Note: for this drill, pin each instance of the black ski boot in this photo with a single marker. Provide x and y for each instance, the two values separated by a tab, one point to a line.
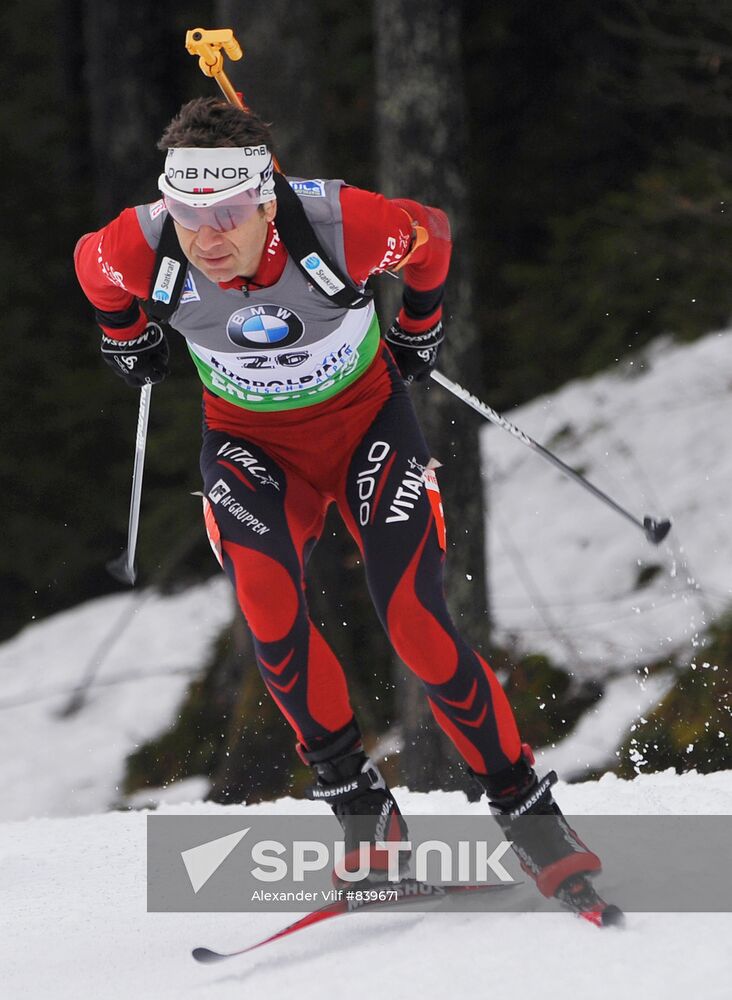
354	788
549	850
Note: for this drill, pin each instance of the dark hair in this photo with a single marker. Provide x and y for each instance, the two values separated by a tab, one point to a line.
207	122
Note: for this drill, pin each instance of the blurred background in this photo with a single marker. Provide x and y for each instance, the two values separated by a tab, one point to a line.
582	151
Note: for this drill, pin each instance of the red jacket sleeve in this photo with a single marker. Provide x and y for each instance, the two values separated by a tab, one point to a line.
377	234
114	267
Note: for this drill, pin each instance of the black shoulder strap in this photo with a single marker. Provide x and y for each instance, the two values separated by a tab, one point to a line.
169	275
308	253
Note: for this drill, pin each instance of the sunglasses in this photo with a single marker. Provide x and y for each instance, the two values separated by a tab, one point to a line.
223	215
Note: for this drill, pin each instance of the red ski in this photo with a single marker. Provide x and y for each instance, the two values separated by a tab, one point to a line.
404	893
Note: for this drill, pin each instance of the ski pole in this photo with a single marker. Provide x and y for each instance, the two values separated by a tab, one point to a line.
123	567
654	530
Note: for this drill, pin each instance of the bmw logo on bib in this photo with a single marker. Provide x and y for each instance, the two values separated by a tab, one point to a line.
264	326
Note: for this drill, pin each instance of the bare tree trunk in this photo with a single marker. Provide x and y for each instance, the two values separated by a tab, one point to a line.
279	75
422	154
133	62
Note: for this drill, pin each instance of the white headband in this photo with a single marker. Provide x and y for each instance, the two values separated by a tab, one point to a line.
202	177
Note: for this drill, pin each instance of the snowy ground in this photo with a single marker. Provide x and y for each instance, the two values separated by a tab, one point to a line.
653	433
142	650
75	924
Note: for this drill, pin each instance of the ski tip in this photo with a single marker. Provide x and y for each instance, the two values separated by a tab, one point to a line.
613	916
206	956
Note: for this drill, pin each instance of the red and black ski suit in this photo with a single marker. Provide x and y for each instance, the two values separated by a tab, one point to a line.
362	449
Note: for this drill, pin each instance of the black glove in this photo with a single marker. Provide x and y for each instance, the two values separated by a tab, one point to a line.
142	361
415	353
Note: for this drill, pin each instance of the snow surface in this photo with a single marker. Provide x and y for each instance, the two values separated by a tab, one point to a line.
653	433
143	650
75	923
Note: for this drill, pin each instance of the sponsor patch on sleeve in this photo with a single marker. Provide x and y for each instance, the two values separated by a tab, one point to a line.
309	189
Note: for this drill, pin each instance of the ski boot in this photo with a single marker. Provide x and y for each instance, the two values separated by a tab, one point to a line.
354	788
549	850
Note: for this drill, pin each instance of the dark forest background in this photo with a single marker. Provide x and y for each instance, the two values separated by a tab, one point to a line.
582	150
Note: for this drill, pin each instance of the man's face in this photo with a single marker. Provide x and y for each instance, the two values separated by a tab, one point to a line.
222	256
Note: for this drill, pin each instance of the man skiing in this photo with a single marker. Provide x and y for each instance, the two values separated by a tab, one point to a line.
305	404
